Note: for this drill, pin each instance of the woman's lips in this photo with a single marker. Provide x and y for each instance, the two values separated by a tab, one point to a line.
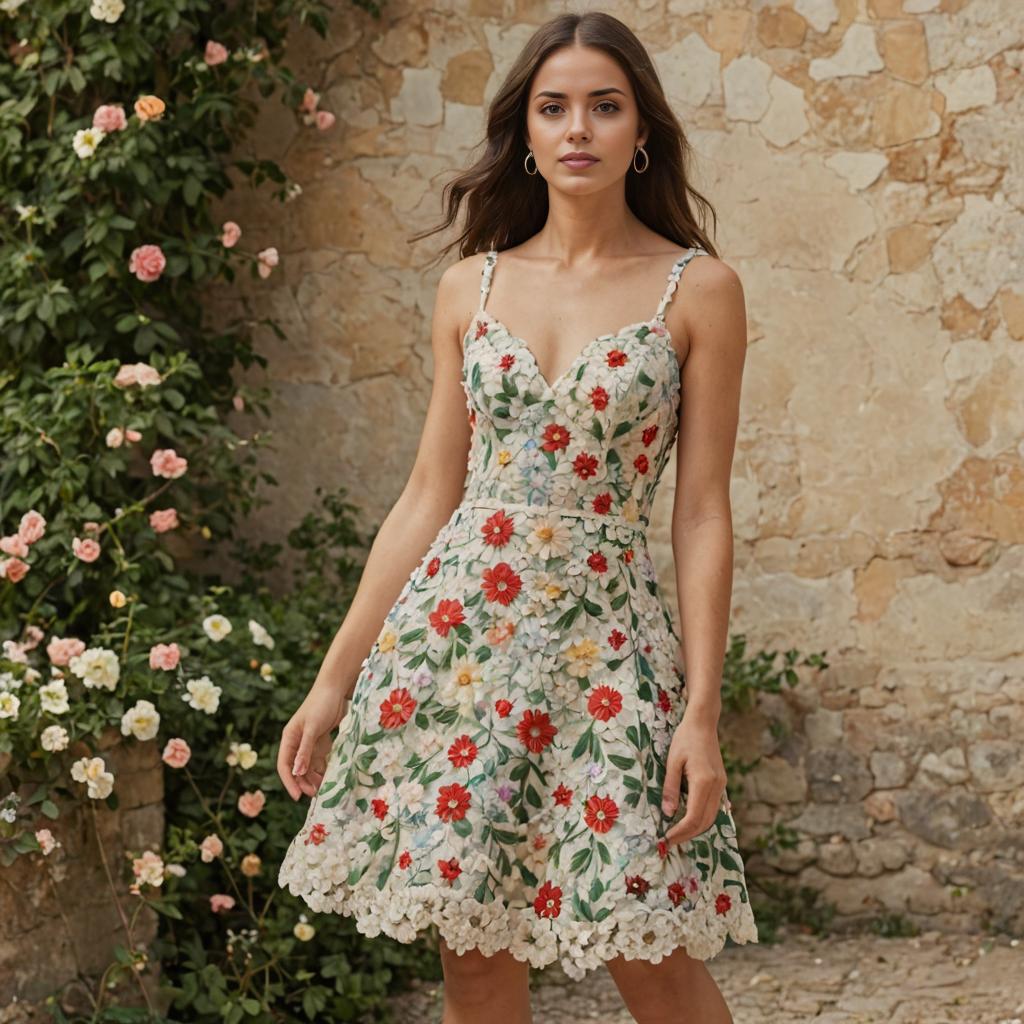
578	162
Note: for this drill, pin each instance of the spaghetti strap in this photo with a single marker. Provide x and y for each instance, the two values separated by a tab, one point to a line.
485	278
673	278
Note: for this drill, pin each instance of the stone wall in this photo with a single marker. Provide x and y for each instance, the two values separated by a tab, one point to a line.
58	922
865	158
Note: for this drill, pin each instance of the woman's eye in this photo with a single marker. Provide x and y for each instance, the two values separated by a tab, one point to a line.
604	103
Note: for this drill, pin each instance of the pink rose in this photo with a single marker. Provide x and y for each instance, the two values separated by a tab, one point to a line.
216	53
133	435
34	634
147	262
32	527
230	234
250	804
164	656
176	753
60	650
14	544
268	259
115	437
324	120
210	848
137	373
87	550
167	463
110	118
14	569
221	901
14	651
90	527
309	101
238	402
163	519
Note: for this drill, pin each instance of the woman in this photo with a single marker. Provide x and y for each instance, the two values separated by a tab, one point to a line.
512	763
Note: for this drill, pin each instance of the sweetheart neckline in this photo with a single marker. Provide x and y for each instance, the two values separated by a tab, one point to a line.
665	335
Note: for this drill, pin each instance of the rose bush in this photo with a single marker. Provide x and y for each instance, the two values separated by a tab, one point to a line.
124	472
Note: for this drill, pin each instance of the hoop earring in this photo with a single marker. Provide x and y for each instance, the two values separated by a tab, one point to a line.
647	160
529	153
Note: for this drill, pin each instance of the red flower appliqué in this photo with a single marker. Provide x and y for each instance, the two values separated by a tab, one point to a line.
602	503
536	730
562	795
599	398
604	702
380	808
722	902
616	357
555	437
498	529
597	561
616	638
450	869
600	813
396	709
549	901
637	885
462	752
584	465
447	614
452	802
317	834
501	583
433	565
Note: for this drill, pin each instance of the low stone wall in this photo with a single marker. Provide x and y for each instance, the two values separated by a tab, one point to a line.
58	921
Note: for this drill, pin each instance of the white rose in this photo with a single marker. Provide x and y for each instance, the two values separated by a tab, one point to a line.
216	627
96	667
142	720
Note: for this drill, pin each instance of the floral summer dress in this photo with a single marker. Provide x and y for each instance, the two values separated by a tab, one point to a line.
499	772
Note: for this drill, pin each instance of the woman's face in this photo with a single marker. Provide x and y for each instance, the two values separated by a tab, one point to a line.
581	102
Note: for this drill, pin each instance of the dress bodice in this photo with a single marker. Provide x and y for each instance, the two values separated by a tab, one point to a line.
597	438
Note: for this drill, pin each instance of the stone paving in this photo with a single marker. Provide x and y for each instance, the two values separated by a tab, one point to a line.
934	978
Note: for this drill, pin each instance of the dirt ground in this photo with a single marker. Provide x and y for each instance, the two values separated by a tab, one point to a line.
934	978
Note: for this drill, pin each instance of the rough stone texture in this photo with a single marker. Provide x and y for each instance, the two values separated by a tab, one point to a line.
867	164
58	920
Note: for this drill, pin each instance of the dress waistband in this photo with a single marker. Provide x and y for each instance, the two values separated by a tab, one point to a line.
638	525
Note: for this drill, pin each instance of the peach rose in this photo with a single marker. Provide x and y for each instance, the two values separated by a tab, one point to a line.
164	656
176	753
309	101
215	53
137	373
238	402
324	120
147	262
87	550
149	108
251	803
115	437
33	636
110	118
268	259
32	527
60	650
221	901
210	848
251	865
167	463
230	234
14	544
134	435
164	519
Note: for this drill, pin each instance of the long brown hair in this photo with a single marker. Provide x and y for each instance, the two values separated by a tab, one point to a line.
505	205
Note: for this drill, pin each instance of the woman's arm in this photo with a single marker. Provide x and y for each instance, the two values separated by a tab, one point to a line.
714	314
427	501
434	488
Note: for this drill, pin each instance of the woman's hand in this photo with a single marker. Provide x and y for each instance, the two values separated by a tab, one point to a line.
695	750
306	741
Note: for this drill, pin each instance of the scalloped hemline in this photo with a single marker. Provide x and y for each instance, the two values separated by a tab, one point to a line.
632	930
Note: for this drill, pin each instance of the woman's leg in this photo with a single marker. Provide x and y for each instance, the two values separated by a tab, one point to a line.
679	990
482	989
